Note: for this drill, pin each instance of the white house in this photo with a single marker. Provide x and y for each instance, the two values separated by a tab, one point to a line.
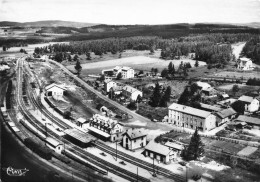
159	152
189	117
131	92
54	144
106	128
134	139
203	85
126	72
108	84
244	64
251	103
54	90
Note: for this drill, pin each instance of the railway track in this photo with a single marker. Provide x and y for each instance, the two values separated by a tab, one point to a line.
138	162
82	153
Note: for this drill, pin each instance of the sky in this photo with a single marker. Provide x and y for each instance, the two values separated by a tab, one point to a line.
132	11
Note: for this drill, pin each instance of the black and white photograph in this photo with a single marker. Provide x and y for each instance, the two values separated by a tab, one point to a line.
129	90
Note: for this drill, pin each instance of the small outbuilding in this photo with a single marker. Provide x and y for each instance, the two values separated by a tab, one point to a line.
254	122
159	152
54	90
54	144
81	122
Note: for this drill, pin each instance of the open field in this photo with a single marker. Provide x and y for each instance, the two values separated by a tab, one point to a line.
238	74
237	48
30	49
137	62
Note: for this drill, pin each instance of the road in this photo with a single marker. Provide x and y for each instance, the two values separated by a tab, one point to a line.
135	115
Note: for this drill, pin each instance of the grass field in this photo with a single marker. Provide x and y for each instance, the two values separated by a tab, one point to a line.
136	62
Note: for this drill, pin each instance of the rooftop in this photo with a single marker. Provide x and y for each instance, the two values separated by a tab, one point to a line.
174	145
135	133
189	110
203	85
210	107
130	89
52	141
79	135
248	119
81	120
158	148
54	85
226	113
245	98
245	59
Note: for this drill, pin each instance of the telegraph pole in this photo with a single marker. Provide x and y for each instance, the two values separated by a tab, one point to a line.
137	175
116	151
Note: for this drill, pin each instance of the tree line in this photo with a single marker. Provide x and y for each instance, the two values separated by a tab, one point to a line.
252	49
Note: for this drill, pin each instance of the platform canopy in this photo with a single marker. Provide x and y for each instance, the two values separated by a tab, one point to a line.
79	135
102	133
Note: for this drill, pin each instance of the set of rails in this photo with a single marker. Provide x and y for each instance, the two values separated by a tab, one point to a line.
71	149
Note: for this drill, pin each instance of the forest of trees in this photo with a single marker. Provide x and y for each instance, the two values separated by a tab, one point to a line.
252	49
214	49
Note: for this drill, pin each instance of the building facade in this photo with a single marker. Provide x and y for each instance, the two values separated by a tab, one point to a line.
188	117
105	127
251	103
108	84
126	72
56	91
160	153
131	92
134	139
244	64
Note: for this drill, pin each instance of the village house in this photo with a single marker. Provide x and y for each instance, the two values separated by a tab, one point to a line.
225	115
108	84
106	128
251	103
251	121
159	152
54	144
54	90
244	64
126	72
131	92
134	139
189	117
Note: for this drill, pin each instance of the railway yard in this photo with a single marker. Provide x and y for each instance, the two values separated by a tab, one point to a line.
34	120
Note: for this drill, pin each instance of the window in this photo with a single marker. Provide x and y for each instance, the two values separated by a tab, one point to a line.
135	140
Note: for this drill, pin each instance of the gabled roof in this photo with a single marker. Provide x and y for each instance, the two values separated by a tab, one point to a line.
158	148
135	133
130	89
174	145
189	110
54	85
52	141
81	120
248	119
245	98
245	59
226	113
203	85
210	107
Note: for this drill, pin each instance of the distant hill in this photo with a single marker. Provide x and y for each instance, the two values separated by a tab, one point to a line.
252	24
47	23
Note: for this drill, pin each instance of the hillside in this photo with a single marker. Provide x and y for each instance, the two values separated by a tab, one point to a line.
47	23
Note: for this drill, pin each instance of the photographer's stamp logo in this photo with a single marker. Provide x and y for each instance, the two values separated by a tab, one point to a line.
15	172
